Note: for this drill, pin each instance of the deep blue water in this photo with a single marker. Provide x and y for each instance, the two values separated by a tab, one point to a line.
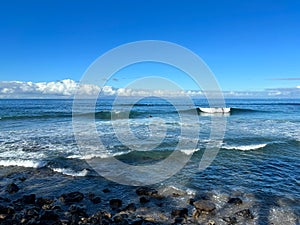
259	155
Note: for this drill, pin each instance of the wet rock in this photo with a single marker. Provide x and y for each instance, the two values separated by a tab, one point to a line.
179	220
106	190
130	208
74	219
204	205
137	221
55	207
196	214
211	222
22	179
3	199
149	219
230	220
6	211
49	215
159	204
191	201
31	213
146	191
100	218
179	212
246	213
12	188
115	203
144	200
44	201
71	197
118	218
28	199
235	201
96	200
79	210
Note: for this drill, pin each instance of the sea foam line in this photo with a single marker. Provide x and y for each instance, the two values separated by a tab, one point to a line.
23	163
70	172
245	147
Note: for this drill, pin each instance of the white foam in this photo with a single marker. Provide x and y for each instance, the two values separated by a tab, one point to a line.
70	172
92	156
245	147
22	163
282	216
215	110
188	151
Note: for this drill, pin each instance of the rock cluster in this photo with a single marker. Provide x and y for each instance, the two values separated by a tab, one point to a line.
149	207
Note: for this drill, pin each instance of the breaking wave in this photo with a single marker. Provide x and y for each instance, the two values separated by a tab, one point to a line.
244	147
23	163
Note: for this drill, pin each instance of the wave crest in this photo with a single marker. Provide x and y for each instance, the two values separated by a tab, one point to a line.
245	147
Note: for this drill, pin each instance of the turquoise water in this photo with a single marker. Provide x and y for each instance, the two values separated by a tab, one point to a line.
259	156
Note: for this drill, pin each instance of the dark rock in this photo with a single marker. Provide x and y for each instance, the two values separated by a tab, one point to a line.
130	208
79	210
28	199
96	200
100	218
179	220
106	190
159	204
44	201
31	213
118	218
95	218
12	188
246	213
203	196
144	200
71	197
3	199
74	219
204	205
49	215
91	195
230	220
22	179
7	211
179	212
146	191
191	201
137	221
115	203
235	201
55	207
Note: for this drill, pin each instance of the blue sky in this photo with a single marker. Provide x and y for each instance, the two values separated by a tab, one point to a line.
249	45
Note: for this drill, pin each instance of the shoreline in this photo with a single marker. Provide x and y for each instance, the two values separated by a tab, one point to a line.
67	203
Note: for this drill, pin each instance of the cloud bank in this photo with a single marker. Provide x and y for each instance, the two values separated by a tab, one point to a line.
67	89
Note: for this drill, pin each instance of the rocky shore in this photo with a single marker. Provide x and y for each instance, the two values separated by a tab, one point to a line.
147	206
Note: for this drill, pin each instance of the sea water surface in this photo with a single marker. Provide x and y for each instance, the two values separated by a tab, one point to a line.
259	157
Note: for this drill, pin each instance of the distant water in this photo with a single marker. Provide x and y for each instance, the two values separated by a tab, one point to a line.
259	157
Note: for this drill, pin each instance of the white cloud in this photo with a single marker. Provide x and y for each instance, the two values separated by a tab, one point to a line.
64	88
67	89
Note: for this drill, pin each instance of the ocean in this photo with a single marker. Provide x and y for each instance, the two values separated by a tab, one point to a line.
258	159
